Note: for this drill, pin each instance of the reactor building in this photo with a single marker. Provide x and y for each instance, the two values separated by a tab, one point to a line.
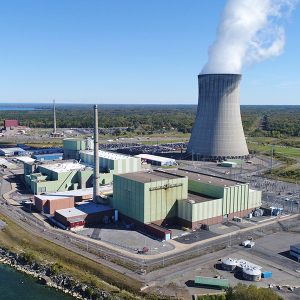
218	133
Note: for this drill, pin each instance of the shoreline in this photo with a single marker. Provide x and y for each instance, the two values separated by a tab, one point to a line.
35	275
46	275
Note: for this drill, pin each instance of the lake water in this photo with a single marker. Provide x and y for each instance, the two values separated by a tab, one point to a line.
15	285
18	108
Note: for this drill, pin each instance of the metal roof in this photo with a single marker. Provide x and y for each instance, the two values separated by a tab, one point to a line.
85	208
83	192
149	176
223	283
26	159
297	246
155	158
13	149
198	198
214	180
64	166
107	154
70	212
48	154
52	197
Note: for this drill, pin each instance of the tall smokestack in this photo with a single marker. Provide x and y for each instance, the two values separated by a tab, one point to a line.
96	157
54	118
218	132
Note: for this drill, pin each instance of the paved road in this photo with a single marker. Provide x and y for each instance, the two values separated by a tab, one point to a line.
104	255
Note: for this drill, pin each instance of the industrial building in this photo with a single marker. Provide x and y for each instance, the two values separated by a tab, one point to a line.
218	133
149	197
181	197
48	156
45	177
48	204
9	124
157	160
295	251
214	200
72	147
111	162
12	151
85	194
86	213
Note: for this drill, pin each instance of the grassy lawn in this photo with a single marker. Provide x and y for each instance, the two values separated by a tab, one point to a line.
16	239
283	150
290	170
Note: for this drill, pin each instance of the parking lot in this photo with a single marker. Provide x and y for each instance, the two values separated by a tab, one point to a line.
129	240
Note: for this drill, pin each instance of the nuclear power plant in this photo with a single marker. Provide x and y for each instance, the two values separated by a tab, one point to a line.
218	133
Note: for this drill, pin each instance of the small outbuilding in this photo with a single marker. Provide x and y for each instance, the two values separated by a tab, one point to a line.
12	151
48	204
295	251
85	213
9	124
228	164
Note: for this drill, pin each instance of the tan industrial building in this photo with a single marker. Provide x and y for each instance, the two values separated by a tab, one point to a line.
182	197
213	199
111	163
149	197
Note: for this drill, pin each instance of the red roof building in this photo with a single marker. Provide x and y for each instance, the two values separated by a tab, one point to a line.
11	123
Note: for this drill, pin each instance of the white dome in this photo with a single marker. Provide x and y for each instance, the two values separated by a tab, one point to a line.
252	271
230	261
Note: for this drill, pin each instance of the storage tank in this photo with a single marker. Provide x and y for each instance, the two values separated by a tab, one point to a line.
229	264
251	274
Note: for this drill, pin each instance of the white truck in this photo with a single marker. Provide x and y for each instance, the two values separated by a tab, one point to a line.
245	243
250	245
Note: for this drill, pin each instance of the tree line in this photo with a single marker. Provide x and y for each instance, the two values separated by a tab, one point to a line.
272	121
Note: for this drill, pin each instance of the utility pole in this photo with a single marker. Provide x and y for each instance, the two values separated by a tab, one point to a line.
96	157
272	153
54	118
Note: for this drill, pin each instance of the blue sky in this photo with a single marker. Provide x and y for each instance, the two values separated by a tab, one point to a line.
126	51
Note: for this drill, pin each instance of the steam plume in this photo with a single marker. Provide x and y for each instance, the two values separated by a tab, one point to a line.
249	31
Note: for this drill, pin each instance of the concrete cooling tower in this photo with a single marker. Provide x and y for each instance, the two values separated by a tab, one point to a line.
218	132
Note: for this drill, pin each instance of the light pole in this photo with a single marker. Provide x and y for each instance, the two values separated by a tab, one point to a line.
272	153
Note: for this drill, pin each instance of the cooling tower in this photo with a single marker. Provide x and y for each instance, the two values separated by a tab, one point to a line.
218	132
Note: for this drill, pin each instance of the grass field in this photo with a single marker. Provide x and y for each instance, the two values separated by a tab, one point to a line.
16	239
266	149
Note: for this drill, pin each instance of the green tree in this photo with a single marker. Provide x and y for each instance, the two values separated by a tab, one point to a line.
251	292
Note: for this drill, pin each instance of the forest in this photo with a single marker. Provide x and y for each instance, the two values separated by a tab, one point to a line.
264	121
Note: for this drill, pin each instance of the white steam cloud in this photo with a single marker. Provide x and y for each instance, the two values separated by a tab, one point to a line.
249	31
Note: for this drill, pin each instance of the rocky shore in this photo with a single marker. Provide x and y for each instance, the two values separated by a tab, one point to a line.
51	276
